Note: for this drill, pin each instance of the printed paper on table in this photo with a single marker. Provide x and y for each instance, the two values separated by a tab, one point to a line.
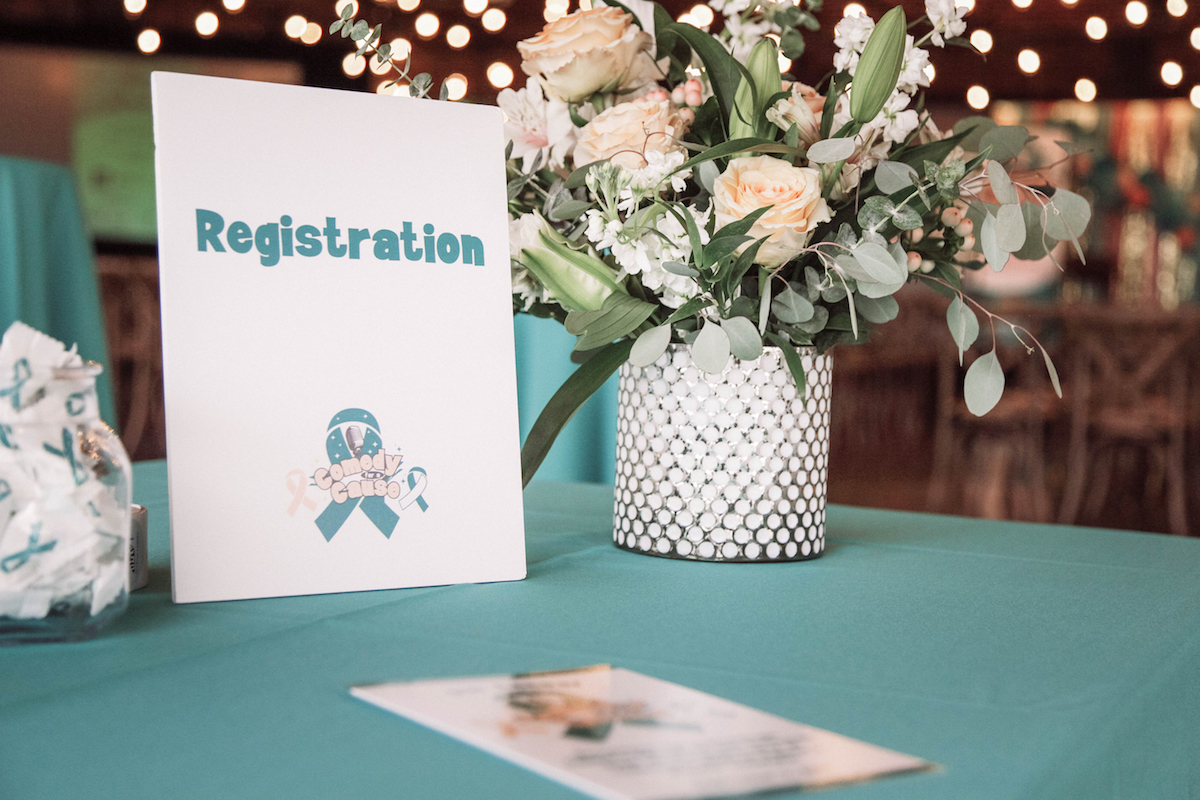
337	341
613	733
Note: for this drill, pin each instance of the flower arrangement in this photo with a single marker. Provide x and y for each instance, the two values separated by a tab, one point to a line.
668	184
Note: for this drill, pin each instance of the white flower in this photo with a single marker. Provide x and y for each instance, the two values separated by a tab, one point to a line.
802	109
946	18
535	123
729	7
850	37
523	233
912	74
744	34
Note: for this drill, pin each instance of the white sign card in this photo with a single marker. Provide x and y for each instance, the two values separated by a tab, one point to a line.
337	341
621	735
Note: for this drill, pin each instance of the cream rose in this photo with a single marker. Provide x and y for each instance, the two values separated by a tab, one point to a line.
626	132
794	194
586	52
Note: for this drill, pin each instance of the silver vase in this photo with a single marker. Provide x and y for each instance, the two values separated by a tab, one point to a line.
728	467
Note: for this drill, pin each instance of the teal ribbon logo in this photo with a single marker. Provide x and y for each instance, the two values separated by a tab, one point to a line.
344	445
21	374
78	471
21	558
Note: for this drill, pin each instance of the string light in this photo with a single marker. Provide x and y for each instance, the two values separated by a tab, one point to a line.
148	41
408	5
233	6
353	65
312	33
1096	28
500	74
207	24
340	4
1195	38
1028	61
493	20
703	15
1085	90
1137	13
456	86
1022	3
427	25
475	7
1069	3
378	67
982	40
785	64
294	26
978	98
1177	8
1194	96
969	5
854	10
135	7
1172	73
458	36
930	72
401	47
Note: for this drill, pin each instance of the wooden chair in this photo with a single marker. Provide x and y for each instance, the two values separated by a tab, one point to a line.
1130	393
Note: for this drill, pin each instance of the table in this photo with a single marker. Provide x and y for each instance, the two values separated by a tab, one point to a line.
1032	661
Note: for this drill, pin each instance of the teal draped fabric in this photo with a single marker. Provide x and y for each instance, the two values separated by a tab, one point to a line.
47	274
1032	662
586	449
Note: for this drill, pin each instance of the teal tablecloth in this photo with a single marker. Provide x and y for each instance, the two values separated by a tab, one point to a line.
1031	661
47	275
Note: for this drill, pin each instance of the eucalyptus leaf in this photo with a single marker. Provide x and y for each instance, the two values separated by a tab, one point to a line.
710	351
818	322
568	210
879	264
963	324
875	290
707	173
791	307
1010	228
1037	242
831	151
676	268
996	256
1067	215
744	341
648	347
878	309
974	128
1053	372
894	176
984	384
1002	185
907	219
1005	141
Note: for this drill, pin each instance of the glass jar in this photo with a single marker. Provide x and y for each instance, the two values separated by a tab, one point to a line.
65	490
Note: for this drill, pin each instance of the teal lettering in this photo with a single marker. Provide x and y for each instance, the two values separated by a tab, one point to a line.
447	248
472	250
266	239
286	233
387	245
407	235
331	238
239	237
429	248
308	242
208	225
357	236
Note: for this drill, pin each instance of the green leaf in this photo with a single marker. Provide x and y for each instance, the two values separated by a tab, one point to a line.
1068	215
996	256
984	384
791	307
1053	372
894	176
906	218
1010	228
578	387
676	268
1037	243
706	174
568	209
719	247
648	347
689	309
735	146
744	341
347	11
720	66
795	364
830	151
360	30
619	316
878	309
1005	141
710	351
817	323
1002	185
878	263
963	324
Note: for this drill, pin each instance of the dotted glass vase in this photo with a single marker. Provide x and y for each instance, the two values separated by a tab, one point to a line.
728	467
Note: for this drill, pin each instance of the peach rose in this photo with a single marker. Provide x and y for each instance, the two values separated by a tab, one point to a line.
794	194
585	52
627	131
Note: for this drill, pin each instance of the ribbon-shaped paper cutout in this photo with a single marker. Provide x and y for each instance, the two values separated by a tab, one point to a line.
5	432
5	490
335	515
21	558
418	479
21	374
76	403
297	484
78	471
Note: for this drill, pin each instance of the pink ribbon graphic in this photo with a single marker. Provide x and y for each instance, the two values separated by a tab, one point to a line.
297	484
